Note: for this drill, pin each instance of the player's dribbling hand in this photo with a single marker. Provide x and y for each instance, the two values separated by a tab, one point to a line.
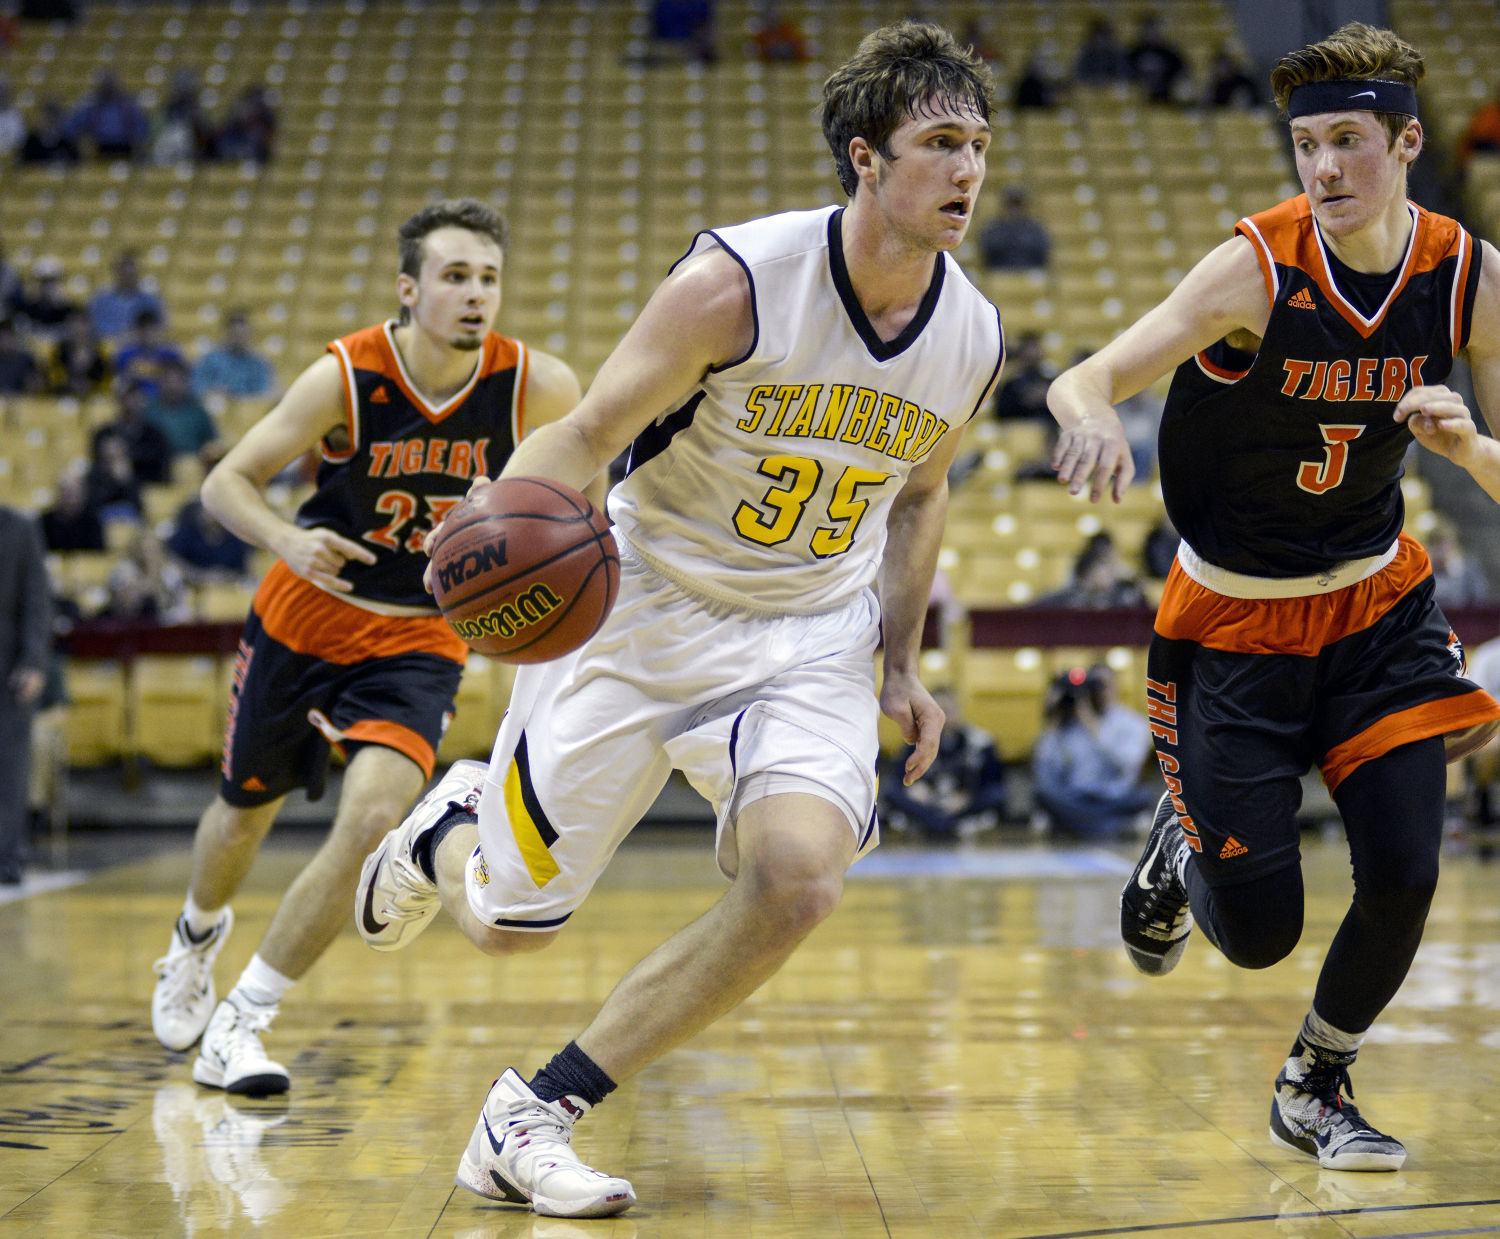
319	555
430	539
1094	454
912	707
1439	420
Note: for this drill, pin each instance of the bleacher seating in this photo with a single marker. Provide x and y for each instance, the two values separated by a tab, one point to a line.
605	168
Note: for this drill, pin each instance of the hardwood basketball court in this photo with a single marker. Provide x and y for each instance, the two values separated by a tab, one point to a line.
961	1051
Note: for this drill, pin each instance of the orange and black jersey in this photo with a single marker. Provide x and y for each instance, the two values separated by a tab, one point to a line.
1285	461
399	462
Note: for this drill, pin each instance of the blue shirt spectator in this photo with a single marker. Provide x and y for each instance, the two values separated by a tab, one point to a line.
111	119
141	361
204	546
113	310
233	367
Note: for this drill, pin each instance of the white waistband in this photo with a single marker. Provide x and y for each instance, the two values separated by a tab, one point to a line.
1240	585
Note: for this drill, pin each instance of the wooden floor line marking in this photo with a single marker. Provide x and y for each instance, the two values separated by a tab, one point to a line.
1278	1217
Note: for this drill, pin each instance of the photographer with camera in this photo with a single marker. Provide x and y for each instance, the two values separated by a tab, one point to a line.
1089	764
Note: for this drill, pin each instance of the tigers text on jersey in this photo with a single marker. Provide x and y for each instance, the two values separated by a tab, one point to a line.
400	462
769	487
1284	462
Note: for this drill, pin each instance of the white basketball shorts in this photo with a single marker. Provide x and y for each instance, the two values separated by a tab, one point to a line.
745	705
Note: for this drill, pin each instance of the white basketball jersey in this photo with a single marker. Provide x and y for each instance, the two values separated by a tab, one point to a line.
770	486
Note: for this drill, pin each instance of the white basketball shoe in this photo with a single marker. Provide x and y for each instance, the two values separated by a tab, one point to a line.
232	1057
395	900
520	1151
183	1001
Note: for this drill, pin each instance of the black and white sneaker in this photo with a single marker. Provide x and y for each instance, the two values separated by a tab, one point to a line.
1154	918
1310	1115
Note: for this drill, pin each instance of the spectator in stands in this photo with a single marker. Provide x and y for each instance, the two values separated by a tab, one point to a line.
78	366
177	412
46	306
48	140
145	586
20	374
1457	580
249	132
12	123
12	287
1483	130
146	352
683	29
1156	63
1089	766
962	792
115	307
111	120
1101	58
1015	240
148	448
70	524
203	546
1101	580
233	367
110	484
1037	85
1229	83
25	646
1160	548
1023	396
779	39
184	134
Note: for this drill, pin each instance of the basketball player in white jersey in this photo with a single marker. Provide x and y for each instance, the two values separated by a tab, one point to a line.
792	397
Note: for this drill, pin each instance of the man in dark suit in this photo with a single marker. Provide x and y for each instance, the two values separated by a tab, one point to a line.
25	635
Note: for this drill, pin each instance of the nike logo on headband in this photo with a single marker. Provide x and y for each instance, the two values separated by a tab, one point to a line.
1361	95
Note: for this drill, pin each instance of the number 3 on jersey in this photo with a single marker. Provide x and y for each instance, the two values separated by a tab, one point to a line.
401	506
795	479
1319	476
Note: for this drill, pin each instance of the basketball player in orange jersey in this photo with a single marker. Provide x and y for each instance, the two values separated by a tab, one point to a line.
1298	625
344	648
792	397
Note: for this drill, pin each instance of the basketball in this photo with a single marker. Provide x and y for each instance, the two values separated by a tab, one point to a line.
525	570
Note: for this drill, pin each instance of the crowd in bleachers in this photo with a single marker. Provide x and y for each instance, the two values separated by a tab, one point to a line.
1097	230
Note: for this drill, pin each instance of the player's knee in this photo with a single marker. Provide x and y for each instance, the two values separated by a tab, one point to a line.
1260	923
500	942
1401	903
795	894
1260	947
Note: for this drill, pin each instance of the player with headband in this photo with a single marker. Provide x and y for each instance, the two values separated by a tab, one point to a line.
1298	626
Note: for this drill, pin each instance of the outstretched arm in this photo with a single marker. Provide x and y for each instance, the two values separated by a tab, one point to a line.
1223	293
1439	419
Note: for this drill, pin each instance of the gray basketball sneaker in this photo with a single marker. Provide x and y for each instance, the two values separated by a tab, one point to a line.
183	1001
1310	1115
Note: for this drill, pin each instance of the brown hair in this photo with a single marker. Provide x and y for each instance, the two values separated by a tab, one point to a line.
467	213
1352	51
890	78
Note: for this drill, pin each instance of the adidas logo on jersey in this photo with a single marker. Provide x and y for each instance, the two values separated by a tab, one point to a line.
1232	848
380	395
1303	300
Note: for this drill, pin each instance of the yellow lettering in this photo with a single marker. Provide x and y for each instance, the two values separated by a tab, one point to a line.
859	416
909	415
754	406
878	440
786	393
801	423
838	400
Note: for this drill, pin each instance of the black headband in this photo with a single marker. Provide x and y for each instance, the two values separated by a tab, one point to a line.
1361	94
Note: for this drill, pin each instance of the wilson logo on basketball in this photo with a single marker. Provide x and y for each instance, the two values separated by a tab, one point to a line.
482	559
504	622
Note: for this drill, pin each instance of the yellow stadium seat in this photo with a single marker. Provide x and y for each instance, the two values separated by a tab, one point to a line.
176	709
95	711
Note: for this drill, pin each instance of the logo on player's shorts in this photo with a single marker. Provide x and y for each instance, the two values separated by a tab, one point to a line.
1232	848
504	622
472	563
481	873
1456	648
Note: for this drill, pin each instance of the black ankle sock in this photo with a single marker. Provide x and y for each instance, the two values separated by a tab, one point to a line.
425	852
572	1073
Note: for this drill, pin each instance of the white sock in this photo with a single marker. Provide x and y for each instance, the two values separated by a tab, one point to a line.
1318	1031
200	920
261	984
